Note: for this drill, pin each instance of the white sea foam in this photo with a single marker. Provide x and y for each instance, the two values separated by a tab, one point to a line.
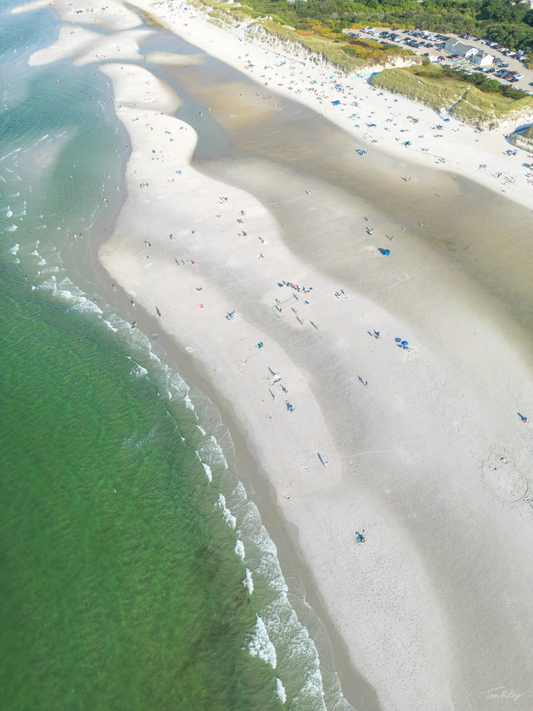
138	371
9	213
260	644
109	325
248	581
211	455
14	249
70	293
229	518
239	548
285	631
280	690
279	638
11	228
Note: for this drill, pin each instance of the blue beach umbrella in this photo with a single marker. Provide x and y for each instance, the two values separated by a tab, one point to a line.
405	343
386	252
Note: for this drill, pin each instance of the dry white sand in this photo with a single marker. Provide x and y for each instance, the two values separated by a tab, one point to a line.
430	458
231	276
287	70
411	444
114	15
86	46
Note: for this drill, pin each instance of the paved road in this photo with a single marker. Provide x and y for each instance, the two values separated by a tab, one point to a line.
438	51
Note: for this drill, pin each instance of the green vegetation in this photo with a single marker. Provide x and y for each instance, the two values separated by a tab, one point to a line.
477	79
511	25
337	47
322	45
478	107
528	134
431	91
470	98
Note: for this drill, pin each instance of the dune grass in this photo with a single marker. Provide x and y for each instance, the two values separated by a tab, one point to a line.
331	47
434	92
528	134
478	105
316	43
463	101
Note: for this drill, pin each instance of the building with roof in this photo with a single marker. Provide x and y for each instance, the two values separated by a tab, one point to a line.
475	55
455	46
481	58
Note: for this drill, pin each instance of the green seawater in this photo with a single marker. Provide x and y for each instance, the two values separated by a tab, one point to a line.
119	585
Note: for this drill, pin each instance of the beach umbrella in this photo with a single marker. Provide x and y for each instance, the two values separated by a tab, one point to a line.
405	344
386	252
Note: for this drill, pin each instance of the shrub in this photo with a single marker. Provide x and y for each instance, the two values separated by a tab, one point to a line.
511	93
490	86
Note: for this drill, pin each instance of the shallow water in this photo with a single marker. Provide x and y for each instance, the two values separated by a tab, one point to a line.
279	149
456	245
120	586
123	582
191	578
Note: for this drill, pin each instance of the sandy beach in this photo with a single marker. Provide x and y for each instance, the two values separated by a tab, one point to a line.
422	448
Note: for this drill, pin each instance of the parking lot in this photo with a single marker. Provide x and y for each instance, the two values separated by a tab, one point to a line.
431	44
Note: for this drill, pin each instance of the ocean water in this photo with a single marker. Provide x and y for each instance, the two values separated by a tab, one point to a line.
135	571
119	581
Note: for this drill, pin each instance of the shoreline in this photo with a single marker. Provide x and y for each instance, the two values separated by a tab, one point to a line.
405	628
462	157
260	490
